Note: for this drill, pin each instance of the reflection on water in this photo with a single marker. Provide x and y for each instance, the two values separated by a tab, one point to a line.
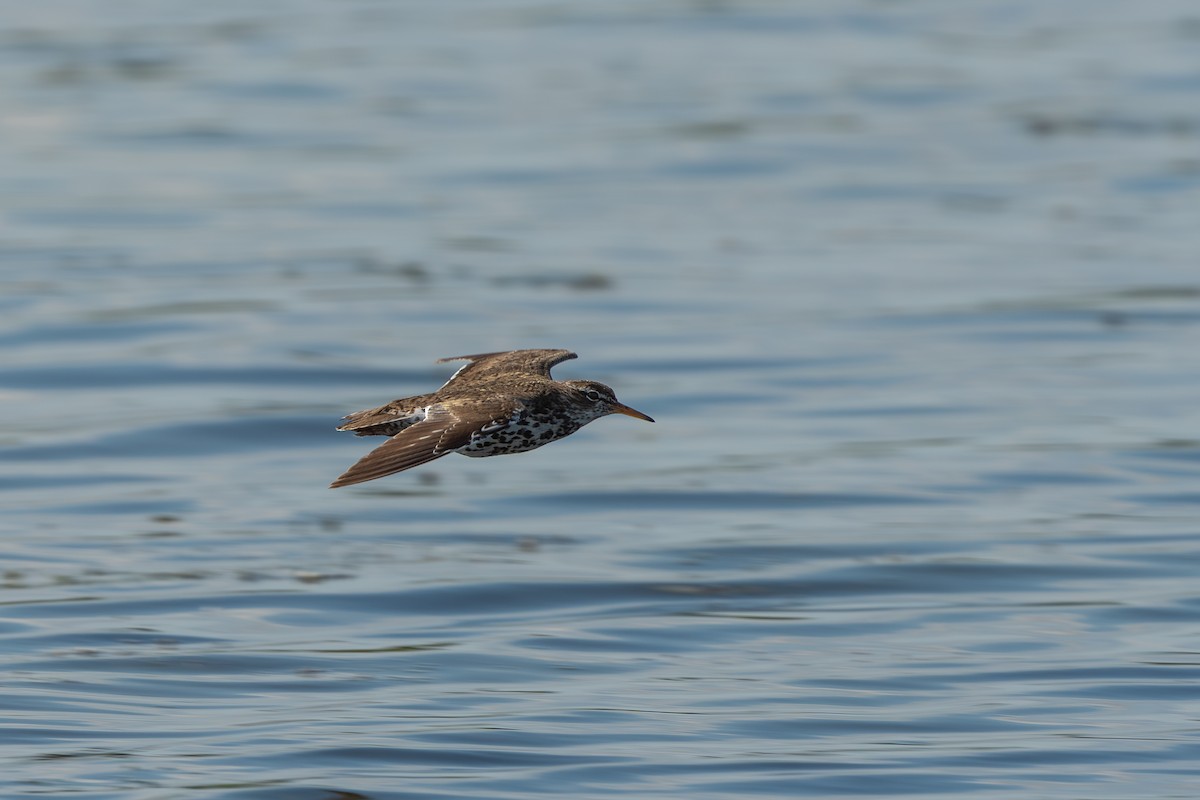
911	292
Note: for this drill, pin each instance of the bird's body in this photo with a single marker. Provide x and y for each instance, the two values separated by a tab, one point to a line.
498	403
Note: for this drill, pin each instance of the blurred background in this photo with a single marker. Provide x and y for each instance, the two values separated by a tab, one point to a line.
912	289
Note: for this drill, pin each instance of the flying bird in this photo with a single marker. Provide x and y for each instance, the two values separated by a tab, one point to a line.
498	403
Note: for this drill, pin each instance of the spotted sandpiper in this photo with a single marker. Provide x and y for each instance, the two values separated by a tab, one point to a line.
496	404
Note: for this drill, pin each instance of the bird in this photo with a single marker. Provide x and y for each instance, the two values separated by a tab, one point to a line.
497	403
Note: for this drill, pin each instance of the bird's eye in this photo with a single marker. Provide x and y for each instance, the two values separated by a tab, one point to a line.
593	395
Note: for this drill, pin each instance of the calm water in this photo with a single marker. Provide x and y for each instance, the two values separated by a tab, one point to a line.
912	289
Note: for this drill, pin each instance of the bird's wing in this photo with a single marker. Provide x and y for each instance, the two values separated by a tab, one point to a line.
509	363
441	432
386	420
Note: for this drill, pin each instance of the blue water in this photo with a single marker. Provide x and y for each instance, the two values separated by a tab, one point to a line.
911	290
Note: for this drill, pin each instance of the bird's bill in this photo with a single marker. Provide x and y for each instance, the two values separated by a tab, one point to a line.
621	408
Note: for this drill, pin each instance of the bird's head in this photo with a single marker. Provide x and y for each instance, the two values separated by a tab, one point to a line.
599	400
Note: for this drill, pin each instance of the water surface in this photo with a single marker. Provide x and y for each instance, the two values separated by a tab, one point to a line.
911	290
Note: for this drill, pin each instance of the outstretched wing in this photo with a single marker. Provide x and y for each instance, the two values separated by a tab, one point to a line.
441	432
508	363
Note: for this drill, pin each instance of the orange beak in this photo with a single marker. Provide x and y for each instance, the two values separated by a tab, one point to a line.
621	408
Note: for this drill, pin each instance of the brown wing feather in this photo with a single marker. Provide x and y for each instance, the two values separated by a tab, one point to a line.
508	363
440	433
387	420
